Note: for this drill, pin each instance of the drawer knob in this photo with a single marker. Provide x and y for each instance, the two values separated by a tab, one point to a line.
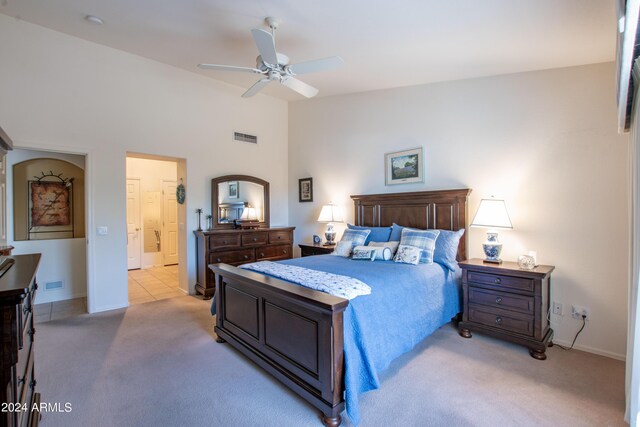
27	310
219	260
33	384
499	300
497	280
224	242
246	257
279	237
284	251
498	320
261	255
35	286
21	380
255	239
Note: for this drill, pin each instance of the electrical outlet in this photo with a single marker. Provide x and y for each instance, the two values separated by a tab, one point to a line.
577	311
557	308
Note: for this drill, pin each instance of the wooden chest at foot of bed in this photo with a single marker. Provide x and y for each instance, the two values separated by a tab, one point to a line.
236	247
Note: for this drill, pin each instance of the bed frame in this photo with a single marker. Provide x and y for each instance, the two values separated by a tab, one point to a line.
295	333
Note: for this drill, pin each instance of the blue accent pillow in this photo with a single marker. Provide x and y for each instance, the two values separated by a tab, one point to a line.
378	234
396	233
356	237
423	239
447	248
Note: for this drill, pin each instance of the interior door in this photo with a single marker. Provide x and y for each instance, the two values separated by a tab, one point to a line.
169	222
134	245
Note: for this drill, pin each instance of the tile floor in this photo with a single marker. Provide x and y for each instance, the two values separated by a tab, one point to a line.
152	284
59	309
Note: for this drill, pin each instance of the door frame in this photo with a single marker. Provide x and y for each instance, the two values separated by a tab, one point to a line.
164	234
139	220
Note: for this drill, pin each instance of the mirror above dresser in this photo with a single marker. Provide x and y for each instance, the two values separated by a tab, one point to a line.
240	230
239	199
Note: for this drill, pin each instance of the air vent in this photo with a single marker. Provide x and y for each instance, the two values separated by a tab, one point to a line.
52	286
244	137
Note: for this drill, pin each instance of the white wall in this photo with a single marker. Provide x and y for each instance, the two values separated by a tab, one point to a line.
58	91
62	259
545	141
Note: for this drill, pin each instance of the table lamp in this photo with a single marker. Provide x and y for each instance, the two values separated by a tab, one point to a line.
492	214
330	213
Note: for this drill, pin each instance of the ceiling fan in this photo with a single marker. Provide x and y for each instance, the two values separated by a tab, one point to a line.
275	66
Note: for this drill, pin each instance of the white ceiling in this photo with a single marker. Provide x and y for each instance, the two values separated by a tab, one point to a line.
384	43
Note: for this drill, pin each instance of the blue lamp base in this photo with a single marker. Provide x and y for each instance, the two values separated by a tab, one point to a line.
492	248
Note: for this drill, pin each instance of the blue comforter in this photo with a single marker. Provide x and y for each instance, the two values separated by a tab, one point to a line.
407	304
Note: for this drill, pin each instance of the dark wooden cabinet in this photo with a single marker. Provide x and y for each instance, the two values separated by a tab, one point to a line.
507	302
309	249
238	247
17	294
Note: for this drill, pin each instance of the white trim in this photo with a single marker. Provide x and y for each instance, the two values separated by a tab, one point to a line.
111	307
592	350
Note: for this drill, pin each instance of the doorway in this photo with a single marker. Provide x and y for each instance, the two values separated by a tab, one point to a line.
152	228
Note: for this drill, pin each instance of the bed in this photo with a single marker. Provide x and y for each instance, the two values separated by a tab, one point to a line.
312	341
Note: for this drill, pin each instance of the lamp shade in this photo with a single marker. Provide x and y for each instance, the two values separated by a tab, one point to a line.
330	213
249	214
492	213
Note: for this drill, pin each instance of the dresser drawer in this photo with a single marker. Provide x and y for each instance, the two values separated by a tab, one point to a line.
500	281
255	239
501	319
233	257
498	299
224	241
280	236
24	314
274	252
25	351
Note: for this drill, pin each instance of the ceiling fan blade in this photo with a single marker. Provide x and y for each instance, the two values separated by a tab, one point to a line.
315	65
266	46
301	87
256	88
228	68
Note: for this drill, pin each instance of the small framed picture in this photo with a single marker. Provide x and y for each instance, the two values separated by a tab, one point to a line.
317	239
404	167
305	190
234	190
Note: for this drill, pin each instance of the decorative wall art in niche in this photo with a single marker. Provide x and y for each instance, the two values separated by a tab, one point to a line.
404	167
48	200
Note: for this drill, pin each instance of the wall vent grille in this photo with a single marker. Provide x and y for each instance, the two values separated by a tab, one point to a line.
52	286
245	137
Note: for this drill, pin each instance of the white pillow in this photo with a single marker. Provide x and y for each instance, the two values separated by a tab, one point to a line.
364	253
393	246
408	254
343	249
382	253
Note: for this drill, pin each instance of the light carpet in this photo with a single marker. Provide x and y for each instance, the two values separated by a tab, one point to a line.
157	364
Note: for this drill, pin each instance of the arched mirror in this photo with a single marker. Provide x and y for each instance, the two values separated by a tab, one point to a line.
239	199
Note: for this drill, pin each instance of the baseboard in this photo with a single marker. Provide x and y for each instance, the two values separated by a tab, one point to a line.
110	307
588	349
183	291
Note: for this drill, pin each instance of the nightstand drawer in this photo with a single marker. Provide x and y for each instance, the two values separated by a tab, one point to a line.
501	319
501	300
500	281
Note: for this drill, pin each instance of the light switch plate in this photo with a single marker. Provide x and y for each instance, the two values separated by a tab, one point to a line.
102	230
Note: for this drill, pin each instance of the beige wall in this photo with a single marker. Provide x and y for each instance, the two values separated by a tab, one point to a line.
60	92
544	141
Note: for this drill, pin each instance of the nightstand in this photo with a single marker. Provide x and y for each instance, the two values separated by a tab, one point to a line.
309	249
507	302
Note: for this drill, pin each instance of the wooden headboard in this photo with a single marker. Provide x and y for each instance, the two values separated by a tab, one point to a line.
442	209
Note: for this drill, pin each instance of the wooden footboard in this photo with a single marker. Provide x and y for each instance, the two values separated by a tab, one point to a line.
294	333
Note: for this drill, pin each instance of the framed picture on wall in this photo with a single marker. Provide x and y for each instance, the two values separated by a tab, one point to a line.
234	190
404	167
305	190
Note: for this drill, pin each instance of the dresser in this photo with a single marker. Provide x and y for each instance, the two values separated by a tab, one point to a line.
238	247
507	302
17	292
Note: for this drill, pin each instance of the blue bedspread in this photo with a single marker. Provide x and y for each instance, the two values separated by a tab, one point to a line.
407	304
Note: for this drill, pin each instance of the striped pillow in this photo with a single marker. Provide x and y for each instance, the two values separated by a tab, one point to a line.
422	239
356	237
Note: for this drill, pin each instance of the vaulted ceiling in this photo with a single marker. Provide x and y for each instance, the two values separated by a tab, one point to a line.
384	44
